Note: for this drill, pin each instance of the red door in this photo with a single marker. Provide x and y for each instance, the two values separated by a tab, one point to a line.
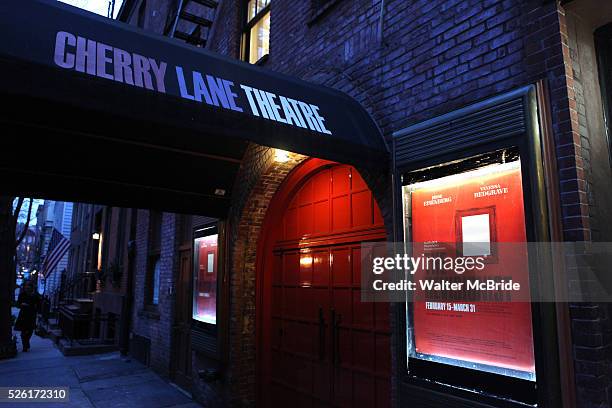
327	348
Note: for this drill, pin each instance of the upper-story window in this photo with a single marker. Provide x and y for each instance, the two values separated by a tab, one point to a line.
256	36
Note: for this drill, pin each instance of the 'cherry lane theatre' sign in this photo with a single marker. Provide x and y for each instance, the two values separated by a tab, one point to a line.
221	97
102	60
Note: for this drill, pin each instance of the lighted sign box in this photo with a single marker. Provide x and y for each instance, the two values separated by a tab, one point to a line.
205	279
469	213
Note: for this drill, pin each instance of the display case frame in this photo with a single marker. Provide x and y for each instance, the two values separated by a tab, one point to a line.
506	121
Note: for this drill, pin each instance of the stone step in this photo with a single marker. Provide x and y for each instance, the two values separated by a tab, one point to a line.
75	348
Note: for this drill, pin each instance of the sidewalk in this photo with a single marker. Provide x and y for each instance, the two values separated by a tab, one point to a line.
104	380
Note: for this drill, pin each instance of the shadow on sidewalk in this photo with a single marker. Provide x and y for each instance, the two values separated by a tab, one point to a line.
103	380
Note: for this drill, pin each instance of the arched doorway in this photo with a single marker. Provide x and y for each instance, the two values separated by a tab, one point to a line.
319	344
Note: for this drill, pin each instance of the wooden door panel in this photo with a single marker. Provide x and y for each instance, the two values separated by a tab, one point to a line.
305	270
341	180
305	220
358	183
383	354
277	272
276	335
343	353
321	268
322	382
321	222
341	213
356	264
321	299
321	185
364	389
290	304
306	310
361	206
363	348
382	316
291	223
291	267
383	392
299	338
313	362
342	303
341	267
343	387
277	301
363	313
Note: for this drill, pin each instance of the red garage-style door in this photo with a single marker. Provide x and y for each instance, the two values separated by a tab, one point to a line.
327	348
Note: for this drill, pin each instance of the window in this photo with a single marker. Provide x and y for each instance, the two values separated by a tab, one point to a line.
155	282
205	250
256	36
142	10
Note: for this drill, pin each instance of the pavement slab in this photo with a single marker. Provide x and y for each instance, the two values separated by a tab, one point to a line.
97	381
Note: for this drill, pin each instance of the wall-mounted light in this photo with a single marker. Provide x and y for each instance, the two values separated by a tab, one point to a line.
281	156
95	236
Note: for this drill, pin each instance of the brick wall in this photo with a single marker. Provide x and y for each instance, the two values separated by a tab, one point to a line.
432	57
258	180
156	323
410	62
592	324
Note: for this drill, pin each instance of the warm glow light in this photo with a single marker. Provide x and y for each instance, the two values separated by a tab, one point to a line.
281	156
99	264
306	261
96	236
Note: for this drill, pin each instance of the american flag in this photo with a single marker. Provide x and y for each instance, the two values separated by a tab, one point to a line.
58	246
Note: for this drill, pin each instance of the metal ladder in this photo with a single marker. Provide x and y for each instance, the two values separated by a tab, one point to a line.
193	25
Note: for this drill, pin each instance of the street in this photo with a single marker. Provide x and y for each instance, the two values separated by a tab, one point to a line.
103	380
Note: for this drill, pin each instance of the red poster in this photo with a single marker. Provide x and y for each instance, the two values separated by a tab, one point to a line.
485	206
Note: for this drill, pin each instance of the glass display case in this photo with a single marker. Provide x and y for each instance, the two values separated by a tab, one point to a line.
471	208
205	249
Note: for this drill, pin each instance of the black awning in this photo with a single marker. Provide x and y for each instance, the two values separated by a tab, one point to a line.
67	71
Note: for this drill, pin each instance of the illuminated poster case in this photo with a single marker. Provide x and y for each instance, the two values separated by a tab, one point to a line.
205	245
472	211
467	183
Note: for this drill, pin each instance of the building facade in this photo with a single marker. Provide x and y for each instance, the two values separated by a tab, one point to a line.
432	125
97	291
407	63
55	215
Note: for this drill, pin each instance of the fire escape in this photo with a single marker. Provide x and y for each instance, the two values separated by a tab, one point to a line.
191	21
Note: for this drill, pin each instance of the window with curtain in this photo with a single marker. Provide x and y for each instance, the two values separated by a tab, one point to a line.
256	35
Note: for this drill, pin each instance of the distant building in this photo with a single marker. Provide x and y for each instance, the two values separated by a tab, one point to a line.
441	79
54	215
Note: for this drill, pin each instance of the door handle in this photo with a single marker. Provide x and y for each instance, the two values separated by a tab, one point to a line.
335	323
321	334
337	354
